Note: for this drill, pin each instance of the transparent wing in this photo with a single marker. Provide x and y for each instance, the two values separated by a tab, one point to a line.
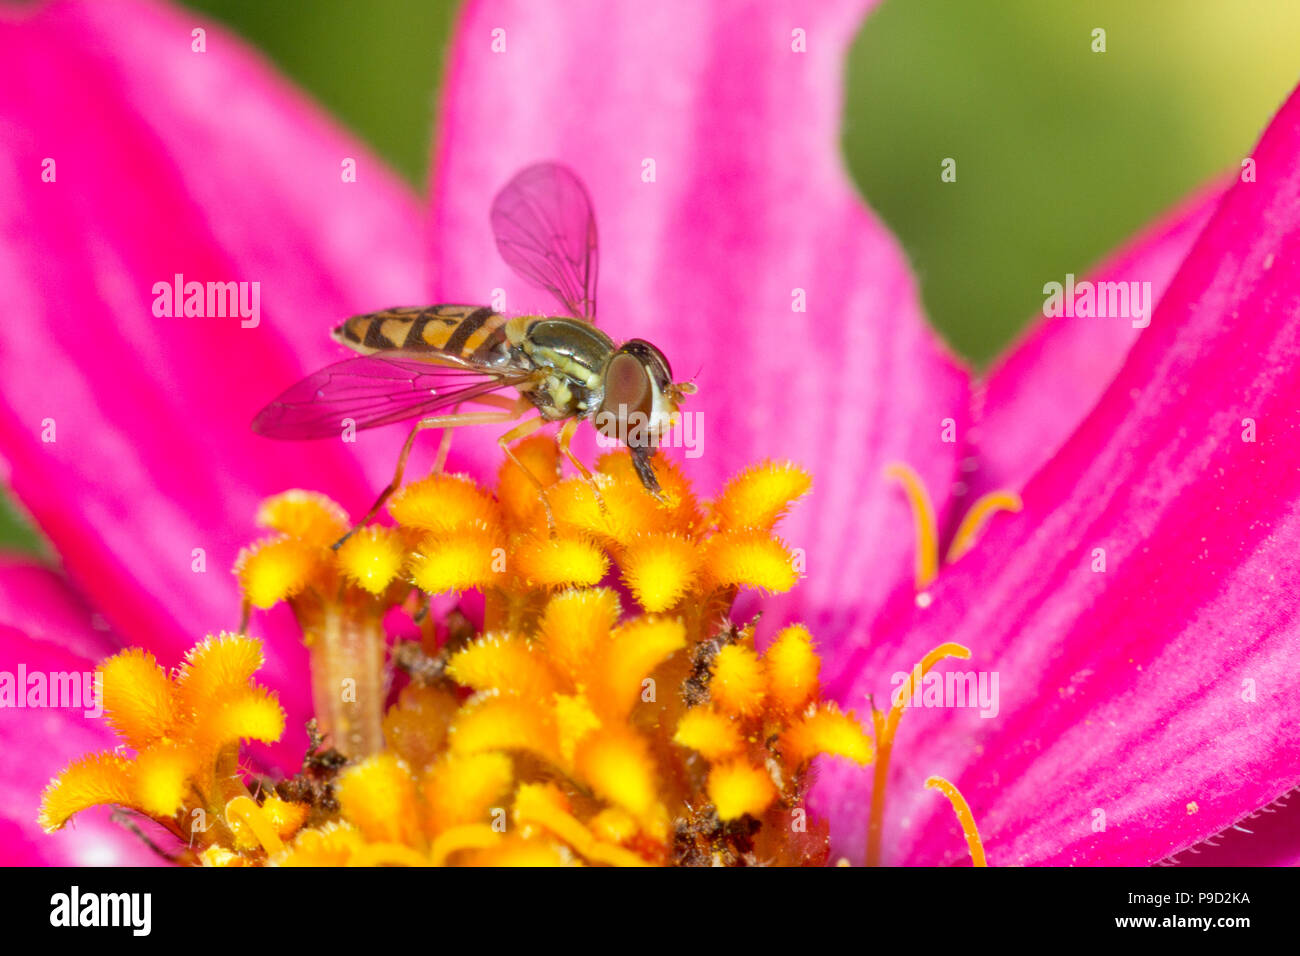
546	232
372	390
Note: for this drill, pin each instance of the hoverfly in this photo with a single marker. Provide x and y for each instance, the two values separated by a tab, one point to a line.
429	361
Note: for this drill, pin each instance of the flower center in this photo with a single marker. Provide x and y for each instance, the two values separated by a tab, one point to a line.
607	711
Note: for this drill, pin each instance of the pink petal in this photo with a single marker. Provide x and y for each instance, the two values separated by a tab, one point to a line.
38	743
1124	692
1039	392
750	202
38	600
171	161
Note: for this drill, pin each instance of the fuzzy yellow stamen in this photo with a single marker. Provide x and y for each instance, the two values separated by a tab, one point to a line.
372	558
750	559
442	503
462	789
760	495
217	666
139	698
885	731
499	660
378	797
278	568
574	624
306	515
714	734
660	570
964	817
977	517
544	806
561	562
738	788
497	722
574	720
620	768
826	731
567	729
738	680
185	730
472	836
624	517
458	561
632	653
161	778
791	665
93	780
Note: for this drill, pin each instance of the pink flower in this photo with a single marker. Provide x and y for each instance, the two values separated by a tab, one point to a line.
1143	708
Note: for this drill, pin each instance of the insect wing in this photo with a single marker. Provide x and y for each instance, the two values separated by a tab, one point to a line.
546	232
372	390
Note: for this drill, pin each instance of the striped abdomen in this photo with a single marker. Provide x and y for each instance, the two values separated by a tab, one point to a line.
467	331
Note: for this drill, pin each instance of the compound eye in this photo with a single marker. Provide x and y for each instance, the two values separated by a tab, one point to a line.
628	392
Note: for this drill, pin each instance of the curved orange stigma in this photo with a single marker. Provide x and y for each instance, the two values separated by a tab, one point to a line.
964	817
885	730
927	532
977	517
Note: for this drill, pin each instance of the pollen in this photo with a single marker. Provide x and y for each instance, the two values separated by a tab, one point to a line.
739	685
513	664
277	569
792	666
714	734
372	558
182	739
750	559
738	789
550	723
442	503
139	697
826	731
660	570
760	496
467	559
561	562
306	515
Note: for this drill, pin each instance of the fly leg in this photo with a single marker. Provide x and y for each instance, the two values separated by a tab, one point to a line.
447	422
523	430
566	436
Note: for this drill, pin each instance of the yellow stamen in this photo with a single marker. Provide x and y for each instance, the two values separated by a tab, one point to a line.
387	854
964	817
246	811
614	735
885	731
542	806
977	517
927	534
471	836
737	787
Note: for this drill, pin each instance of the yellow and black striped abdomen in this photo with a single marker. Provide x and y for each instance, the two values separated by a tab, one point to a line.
460	330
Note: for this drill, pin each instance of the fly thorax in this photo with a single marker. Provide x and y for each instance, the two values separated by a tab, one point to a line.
574	354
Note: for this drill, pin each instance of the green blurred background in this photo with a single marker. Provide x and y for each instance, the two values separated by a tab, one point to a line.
1061	152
